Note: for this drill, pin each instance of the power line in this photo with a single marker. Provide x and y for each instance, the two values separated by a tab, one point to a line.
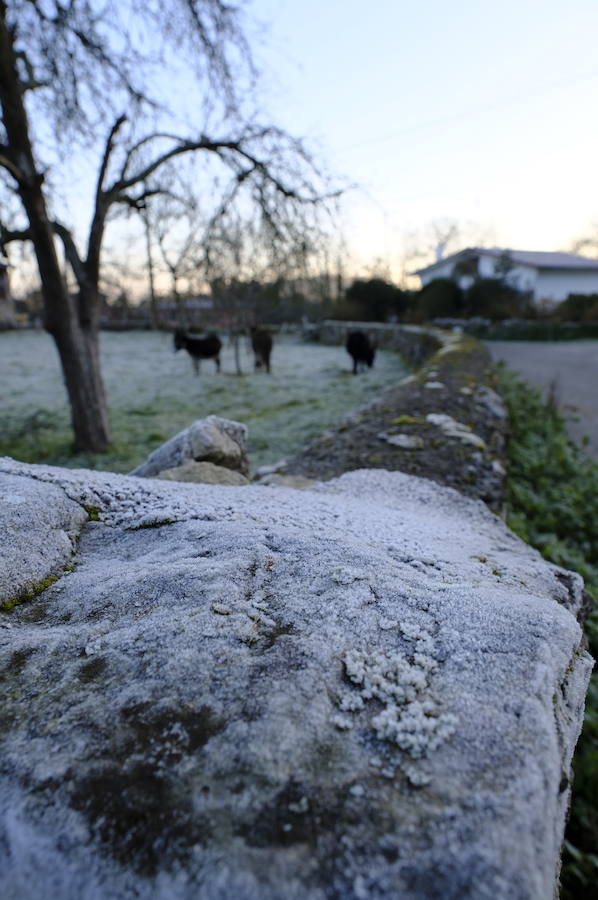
471	113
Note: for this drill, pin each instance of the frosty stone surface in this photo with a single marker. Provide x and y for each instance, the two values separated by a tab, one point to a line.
366	689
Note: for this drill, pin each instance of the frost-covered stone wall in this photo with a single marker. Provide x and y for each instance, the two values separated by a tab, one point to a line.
367	689
414	342
444	421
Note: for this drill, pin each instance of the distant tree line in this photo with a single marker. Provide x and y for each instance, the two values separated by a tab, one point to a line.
252	301
489	298
380	301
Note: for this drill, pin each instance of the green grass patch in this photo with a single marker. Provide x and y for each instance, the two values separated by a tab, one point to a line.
553	505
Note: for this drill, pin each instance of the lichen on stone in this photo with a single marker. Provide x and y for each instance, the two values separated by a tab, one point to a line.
30	594
451	428
410	718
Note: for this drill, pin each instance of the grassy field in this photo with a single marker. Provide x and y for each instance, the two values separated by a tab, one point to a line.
153	393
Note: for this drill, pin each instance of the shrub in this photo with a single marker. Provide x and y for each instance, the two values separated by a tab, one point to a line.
375	300
493	299
578	308
553	504
439	298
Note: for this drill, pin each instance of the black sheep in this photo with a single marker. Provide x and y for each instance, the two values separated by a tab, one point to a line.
199	348
360	349
261	344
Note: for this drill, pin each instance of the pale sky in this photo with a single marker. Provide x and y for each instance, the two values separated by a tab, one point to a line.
475	112
481	112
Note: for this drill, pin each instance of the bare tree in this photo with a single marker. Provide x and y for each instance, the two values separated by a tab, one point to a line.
176	228
75	64
438	239
236	260
588	244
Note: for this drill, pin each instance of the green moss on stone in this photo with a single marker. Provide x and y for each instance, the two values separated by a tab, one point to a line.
31	594
157	524
407	420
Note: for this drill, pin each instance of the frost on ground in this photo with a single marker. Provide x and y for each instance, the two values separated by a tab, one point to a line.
369	688
153	394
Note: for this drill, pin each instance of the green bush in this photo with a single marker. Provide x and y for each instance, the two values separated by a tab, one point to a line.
553	504
578	308
492	298
375	300
488	298
440	297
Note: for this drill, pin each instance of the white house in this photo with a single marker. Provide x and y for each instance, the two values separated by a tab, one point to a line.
548	277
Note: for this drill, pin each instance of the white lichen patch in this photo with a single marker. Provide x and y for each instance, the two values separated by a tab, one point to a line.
451	428
343	723
351	702
492	401
386	677
301	806
416	776
404	441
249	635
260	619
357	790
410	718
417	728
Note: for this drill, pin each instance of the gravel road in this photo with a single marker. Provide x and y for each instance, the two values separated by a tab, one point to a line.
568	369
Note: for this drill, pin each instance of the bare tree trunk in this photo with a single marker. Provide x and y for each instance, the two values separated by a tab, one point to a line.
181	309
150	273
76	340
236	342
79	355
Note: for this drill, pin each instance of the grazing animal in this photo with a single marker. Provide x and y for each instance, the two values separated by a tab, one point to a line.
361	351
261	344
199	348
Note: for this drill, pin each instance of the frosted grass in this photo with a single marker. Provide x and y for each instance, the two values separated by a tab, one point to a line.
153	393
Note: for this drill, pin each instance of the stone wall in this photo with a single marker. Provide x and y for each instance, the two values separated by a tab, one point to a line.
445	421
364	690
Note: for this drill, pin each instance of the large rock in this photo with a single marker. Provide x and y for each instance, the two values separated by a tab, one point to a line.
202	473
219	441
370	689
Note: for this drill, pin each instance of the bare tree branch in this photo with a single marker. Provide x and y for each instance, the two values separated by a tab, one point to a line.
109	147
32	83
71	252
139	203
8	237
9	164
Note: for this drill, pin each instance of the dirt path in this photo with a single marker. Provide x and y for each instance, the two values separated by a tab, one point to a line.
568	369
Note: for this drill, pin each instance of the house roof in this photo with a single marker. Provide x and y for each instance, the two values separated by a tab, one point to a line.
539	259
